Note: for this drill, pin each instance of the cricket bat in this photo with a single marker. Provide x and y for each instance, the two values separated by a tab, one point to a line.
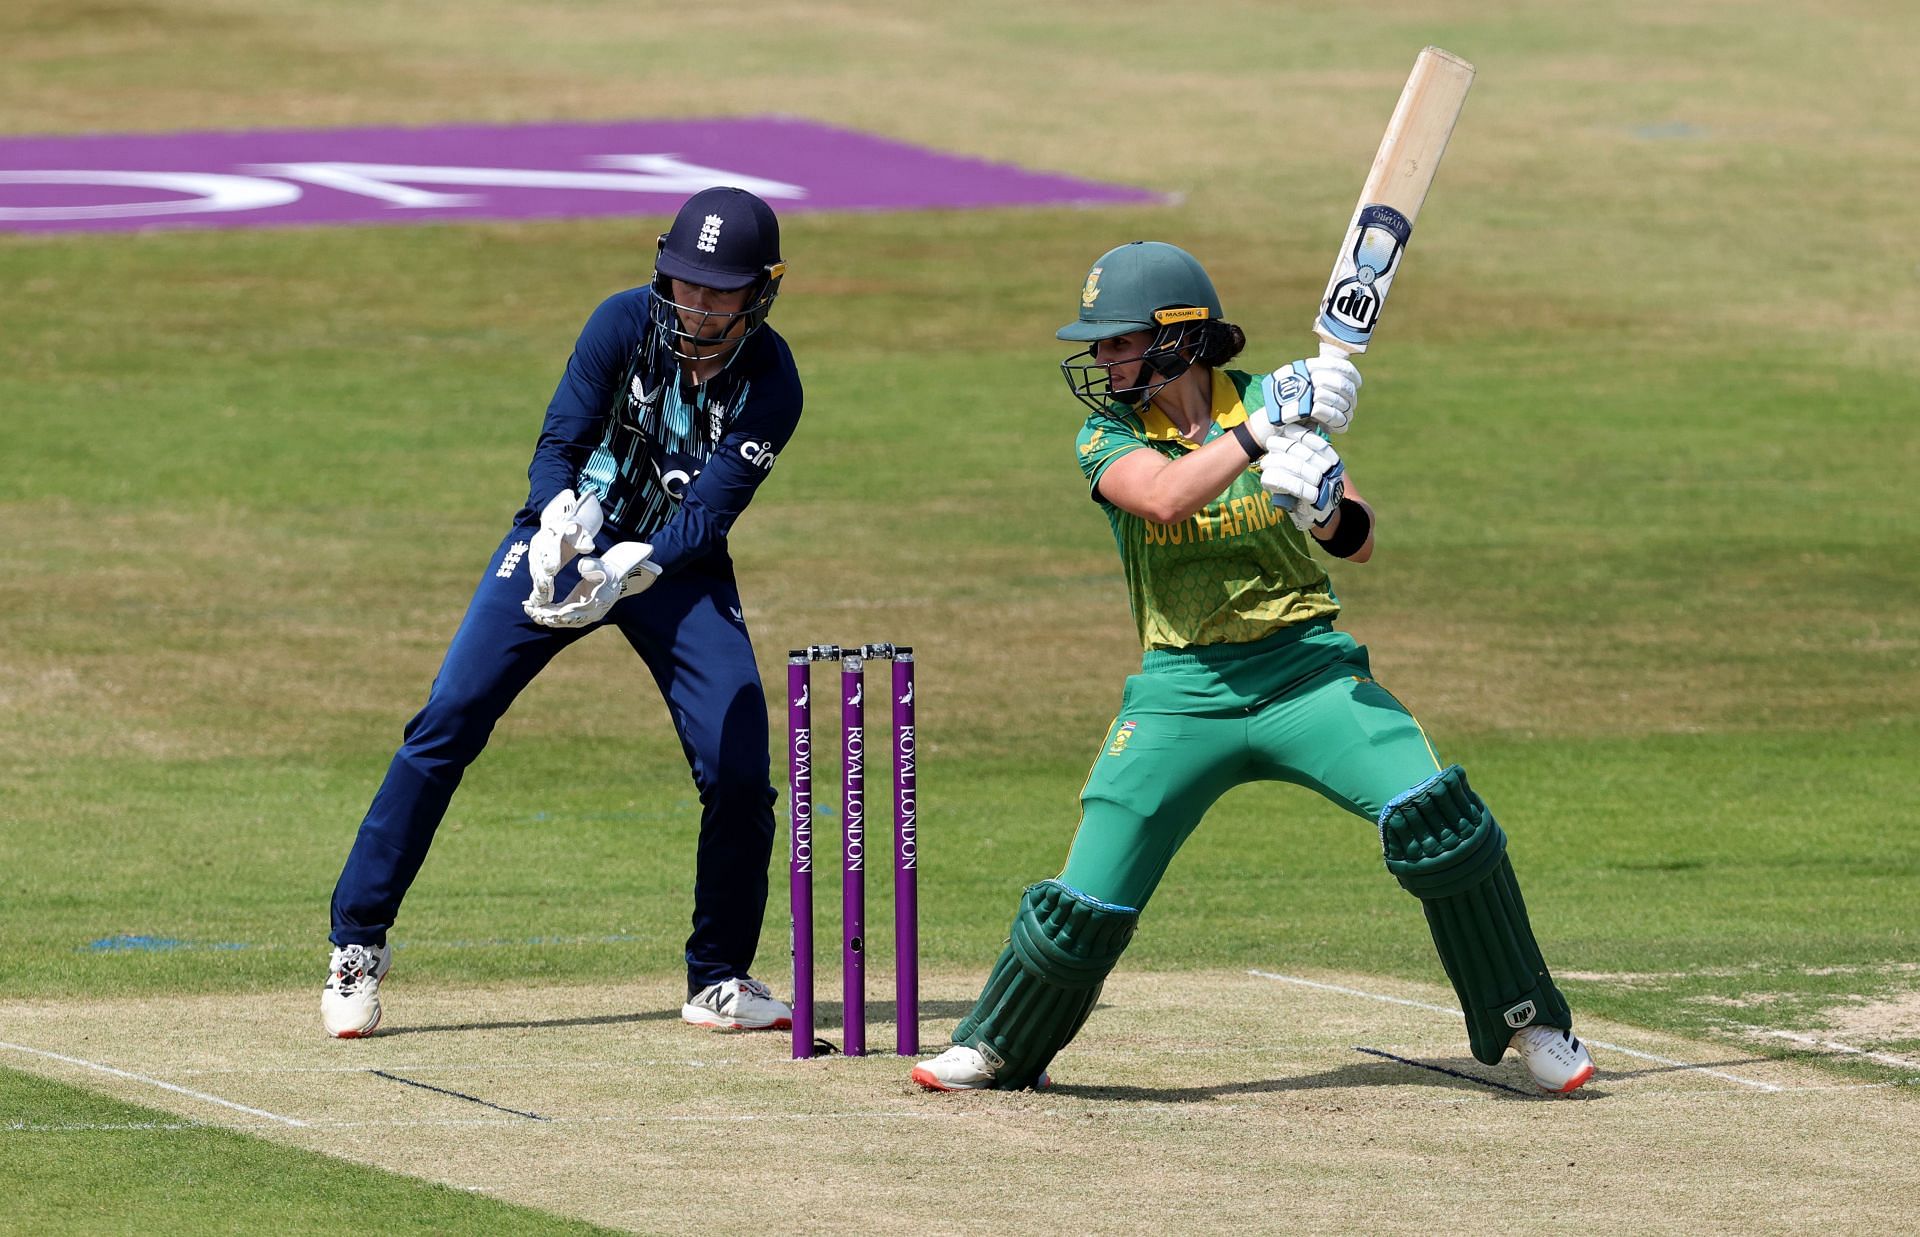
1390	201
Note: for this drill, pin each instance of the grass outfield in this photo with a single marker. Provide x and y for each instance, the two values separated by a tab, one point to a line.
1639	428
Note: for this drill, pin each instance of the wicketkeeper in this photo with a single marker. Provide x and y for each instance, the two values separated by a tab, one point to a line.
676	402
1244	679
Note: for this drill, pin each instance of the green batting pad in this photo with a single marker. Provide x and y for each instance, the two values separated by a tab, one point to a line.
1046	982
1445	848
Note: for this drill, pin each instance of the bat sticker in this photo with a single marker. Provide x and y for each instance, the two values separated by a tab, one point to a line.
1368	260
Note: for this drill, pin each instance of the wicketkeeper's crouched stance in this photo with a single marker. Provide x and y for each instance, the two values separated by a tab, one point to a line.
673	407
1244	679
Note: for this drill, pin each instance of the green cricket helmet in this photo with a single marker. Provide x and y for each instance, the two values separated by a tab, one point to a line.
1139	286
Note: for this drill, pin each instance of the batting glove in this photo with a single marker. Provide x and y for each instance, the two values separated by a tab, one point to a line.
624	570
1321	390
567	527
1304	474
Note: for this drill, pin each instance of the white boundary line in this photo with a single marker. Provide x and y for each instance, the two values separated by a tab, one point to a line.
1454	1013
154	1082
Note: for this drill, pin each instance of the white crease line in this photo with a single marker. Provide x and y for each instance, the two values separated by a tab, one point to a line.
1886	1058
735	1119
1182	1112
1454	1013
154	1082
955	1113
415	1067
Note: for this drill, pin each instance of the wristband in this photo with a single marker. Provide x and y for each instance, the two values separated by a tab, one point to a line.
1356	525
1247	441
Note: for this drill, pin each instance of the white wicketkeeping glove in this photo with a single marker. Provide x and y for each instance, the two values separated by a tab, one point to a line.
625	569
1321	390
1304	474
567	527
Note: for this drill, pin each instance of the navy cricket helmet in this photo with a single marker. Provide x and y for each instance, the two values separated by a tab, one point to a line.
725	239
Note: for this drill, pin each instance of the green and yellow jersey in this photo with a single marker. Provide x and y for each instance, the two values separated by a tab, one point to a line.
1234	572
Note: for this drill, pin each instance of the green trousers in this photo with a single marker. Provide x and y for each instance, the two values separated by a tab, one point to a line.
1300	706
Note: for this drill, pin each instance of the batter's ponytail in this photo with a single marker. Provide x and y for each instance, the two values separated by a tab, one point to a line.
1220	342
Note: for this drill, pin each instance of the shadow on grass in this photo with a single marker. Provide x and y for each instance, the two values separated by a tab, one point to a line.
826	1015
1447	1074
1452	1074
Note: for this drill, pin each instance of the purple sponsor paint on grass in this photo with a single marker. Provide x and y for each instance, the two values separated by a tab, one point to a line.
906	859
118	182
131	943
127	942
853	852
800	845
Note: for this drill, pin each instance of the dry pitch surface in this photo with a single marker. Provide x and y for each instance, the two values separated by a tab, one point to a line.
1193	1102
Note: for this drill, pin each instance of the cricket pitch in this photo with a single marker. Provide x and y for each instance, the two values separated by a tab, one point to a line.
1191	1102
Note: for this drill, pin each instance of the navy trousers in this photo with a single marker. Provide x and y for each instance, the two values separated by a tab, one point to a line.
688	630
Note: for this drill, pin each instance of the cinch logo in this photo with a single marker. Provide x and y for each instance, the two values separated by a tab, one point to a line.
759	454
508	564
676	471
709	234
1120	739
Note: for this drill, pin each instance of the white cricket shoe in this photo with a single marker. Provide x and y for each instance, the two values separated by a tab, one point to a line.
737	1005
961	1068
350	1003
1557	1059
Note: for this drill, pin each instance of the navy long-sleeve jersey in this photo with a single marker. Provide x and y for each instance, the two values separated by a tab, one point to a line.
673	463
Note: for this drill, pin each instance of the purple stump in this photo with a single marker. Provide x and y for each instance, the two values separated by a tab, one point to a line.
906	859
853	817
800	852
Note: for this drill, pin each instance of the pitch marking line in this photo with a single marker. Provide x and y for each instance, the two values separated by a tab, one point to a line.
1886	1058
154	1082
490	1067
749	1118
1454	1013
